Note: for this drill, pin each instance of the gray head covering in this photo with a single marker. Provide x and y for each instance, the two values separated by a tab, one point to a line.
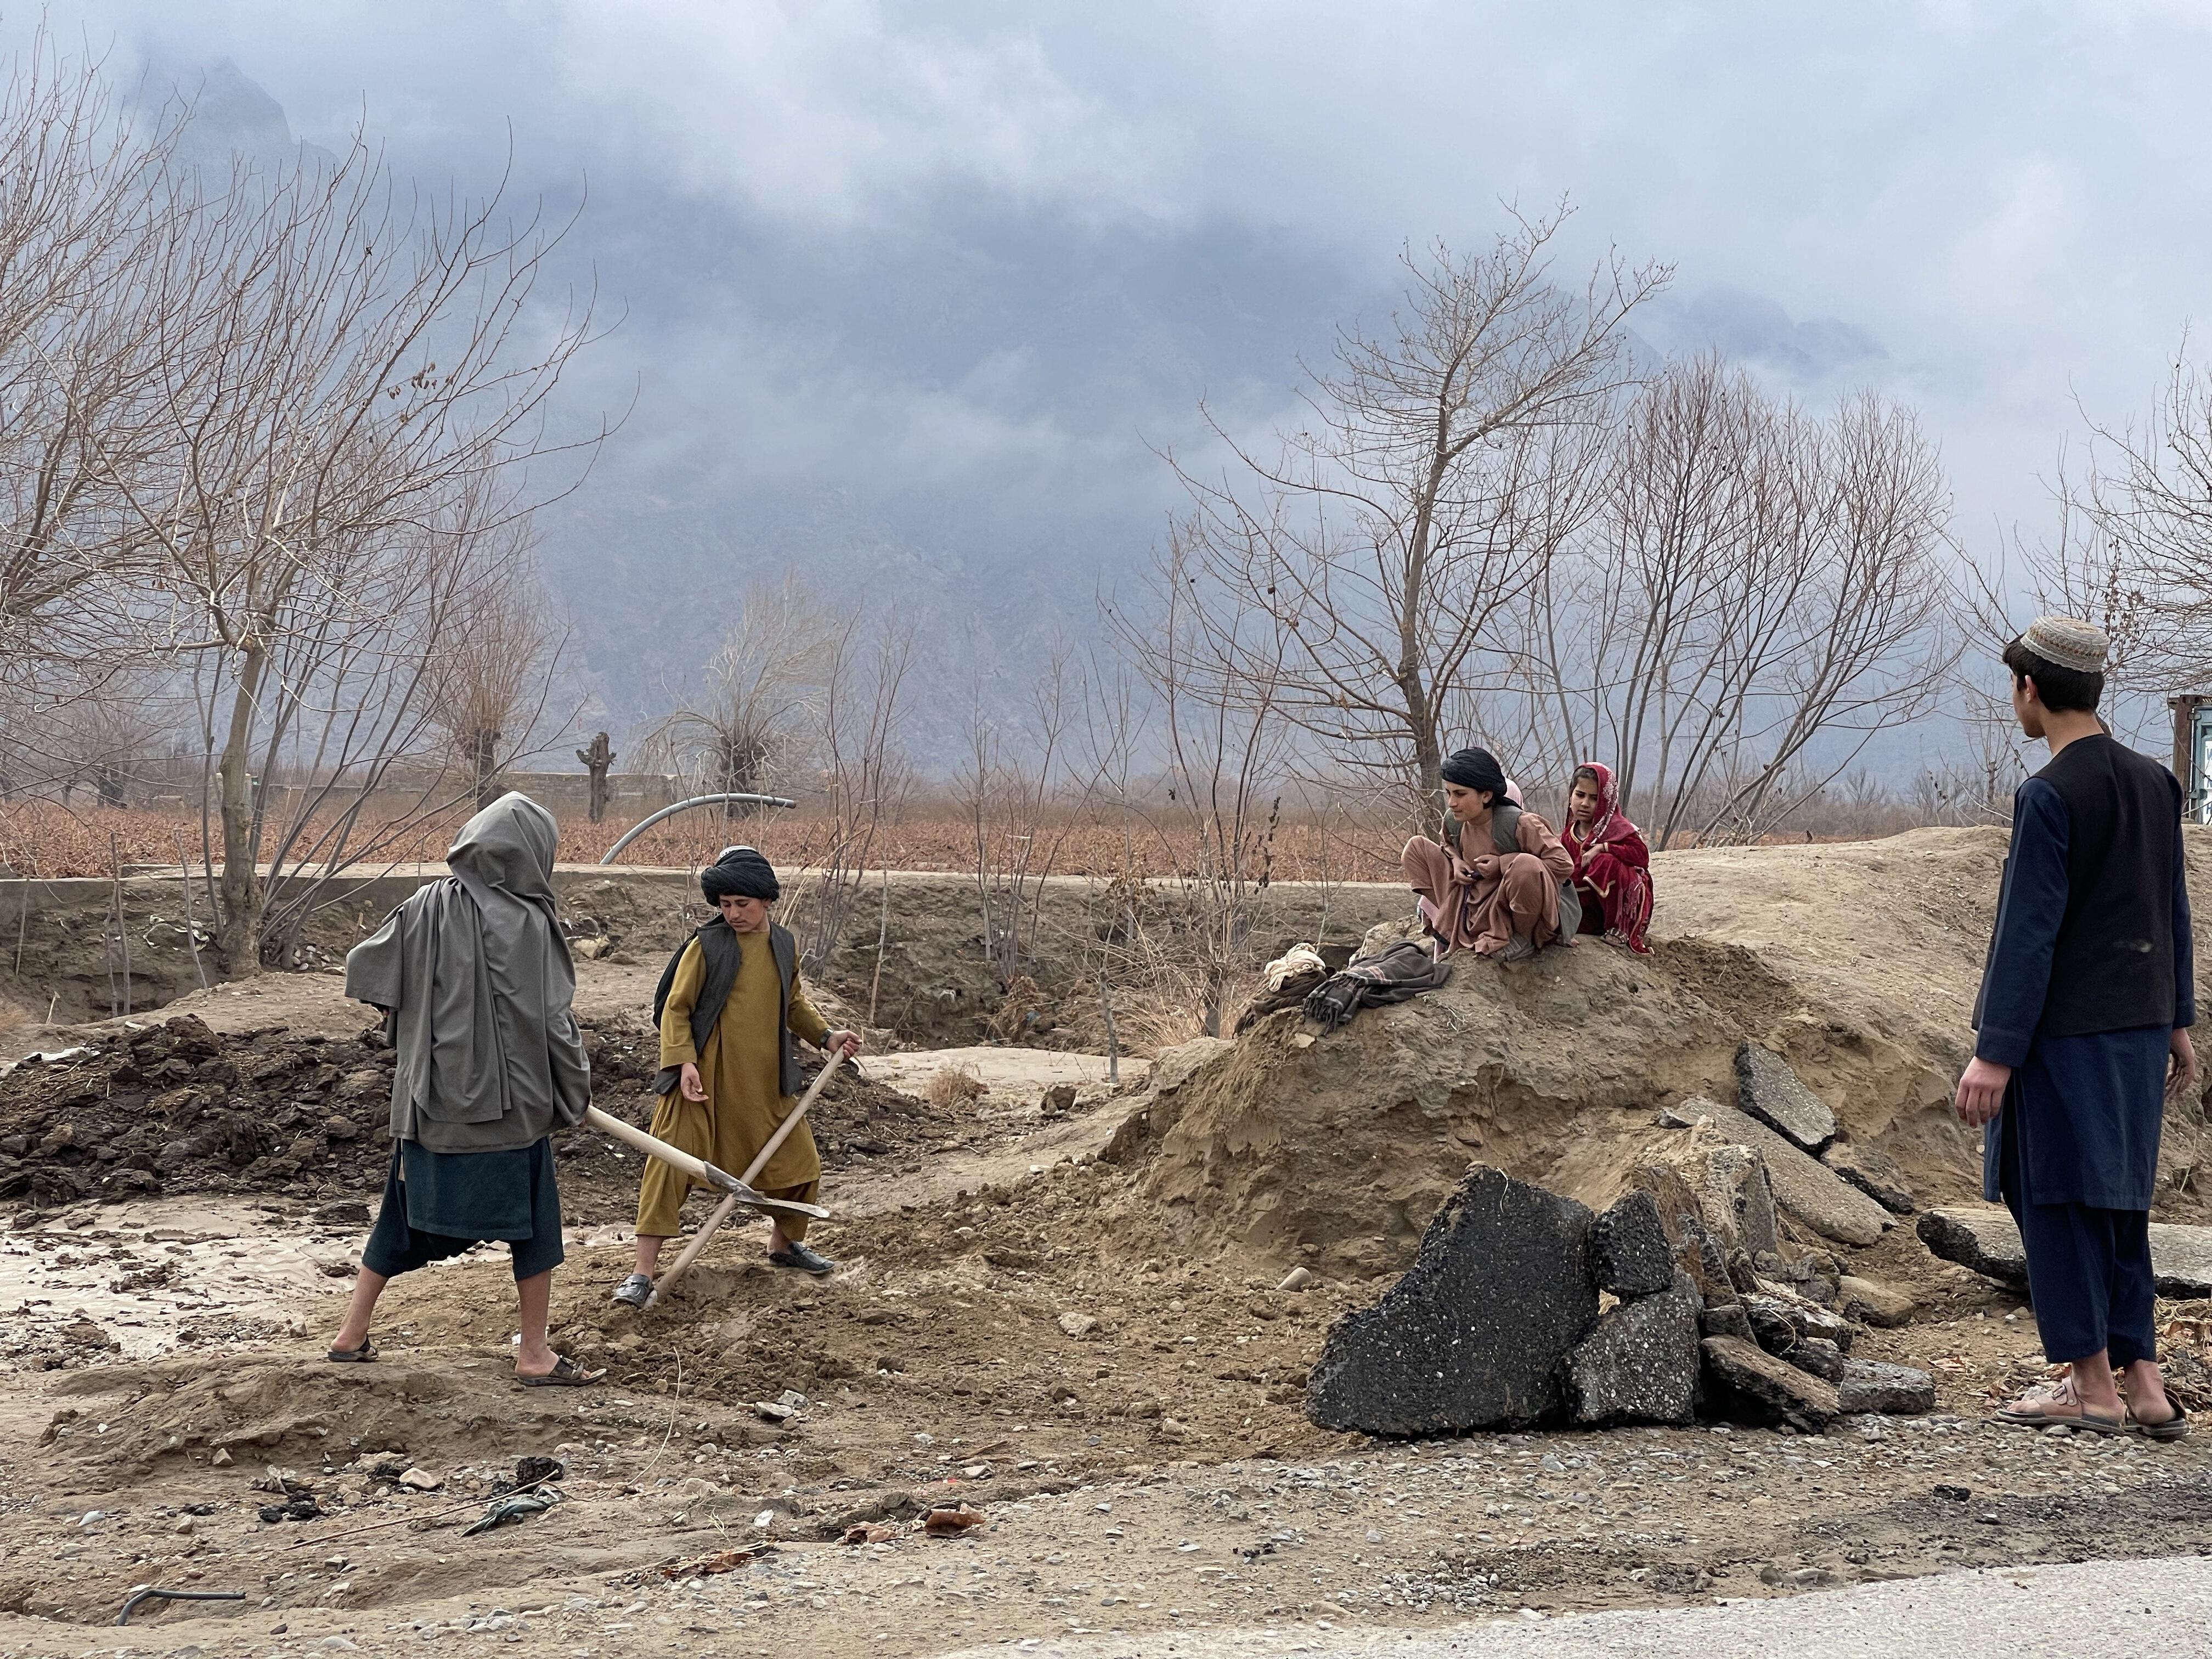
2067	642
475	981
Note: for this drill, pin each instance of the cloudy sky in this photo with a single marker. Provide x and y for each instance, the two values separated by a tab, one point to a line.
912	290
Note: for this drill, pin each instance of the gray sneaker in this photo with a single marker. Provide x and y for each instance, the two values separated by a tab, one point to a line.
635	1291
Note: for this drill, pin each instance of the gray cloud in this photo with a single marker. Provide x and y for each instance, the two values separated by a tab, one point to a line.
912	288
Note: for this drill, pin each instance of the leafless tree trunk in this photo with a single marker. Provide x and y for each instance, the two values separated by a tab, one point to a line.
1442	463
864	707
492	673
762	696
598	759
1220	677
1007	788
346	407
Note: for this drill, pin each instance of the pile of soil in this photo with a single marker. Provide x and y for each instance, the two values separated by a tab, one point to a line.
1856	962
179	1107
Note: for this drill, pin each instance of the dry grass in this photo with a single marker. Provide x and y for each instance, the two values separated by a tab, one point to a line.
953	1085
45	839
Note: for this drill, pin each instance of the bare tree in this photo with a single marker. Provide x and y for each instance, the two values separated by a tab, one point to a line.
347	407
1443	462
1757	589
1006	790
863	771
1220	677
763	692
493	671
86	218
2130	550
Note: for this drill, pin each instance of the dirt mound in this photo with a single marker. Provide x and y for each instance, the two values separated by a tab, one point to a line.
273	1409
179	1107
1857	964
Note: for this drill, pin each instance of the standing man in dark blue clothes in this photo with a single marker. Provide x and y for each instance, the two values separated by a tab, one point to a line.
2081	1029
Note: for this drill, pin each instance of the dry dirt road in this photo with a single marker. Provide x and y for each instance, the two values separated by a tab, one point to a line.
1149	1482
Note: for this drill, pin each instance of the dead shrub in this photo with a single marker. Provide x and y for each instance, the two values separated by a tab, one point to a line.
953	1085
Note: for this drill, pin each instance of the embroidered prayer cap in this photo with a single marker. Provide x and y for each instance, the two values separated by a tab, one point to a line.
2067	642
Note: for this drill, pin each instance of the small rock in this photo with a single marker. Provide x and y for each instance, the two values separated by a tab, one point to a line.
1078	1325
1868	1385
1803	1186
1822	1358
1875	1173
1870	1302
1727	1319
1982	1238
773	1410
792	1398
185	1525
1778	1320
1630	1250
1769	1091
1751	1386
1296	1279
1639	1364
222	1459
420	1479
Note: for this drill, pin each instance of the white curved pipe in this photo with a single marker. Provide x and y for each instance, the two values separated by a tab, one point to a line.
644	824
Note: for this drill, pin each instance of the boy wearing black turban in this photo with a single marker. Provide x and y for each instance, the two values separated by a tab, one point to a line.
1495	884
729	1005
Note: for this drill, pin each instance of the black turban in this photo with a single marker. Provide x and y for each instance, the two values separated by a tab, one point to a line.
739	872
1476	768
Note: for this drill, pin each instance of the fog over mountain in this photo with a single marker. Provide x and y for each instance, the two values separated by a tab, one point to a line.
910	296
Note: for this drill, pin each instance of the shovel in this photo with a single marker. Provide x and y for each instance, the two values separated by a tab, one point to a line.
740	1189
697	1168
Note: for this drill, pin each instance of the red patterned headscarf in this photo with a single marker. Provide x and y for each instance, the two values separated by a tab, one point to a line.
1607	822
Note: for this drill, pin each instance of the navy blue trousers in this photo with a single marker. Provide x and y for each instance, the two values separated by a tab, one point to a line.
438	1204
2089	1273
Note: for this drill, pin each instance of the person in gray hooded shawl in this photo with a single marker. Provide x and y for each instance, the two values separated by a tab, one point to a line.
475	981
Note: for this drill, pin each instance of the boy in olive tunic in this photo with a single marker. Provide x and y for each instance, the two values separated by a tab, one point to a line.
731	1005
2081	1027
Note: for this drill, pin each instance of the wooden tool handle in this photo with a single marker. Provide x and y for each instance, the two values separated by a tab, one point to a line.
783	1129
665	1286
675	1157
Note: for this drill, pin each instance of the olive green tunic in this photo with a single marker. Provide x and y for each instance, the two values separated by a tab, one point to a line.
744	1102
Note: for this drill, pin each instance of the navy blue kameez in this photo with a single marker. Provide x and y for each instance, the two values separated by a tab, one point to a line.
2074	1154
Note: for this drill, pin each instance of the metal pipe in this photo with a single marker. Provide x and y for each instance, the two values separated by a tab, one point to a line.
644	824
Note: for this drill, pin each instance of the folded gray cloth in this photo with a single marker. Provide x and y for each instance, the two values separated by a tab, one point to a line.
1397	974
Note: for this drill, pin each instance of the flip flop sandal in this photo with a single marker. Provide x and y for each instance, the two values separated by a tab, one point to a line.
566	1373
2174	1428
364	1355
2086	1421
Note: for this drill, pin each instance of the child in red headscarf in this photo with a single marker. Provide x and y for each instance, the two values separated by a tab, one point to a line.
1612	866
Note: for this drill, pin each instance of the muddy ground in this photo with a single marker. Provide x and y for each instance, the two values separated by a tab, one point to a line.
1087	1350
